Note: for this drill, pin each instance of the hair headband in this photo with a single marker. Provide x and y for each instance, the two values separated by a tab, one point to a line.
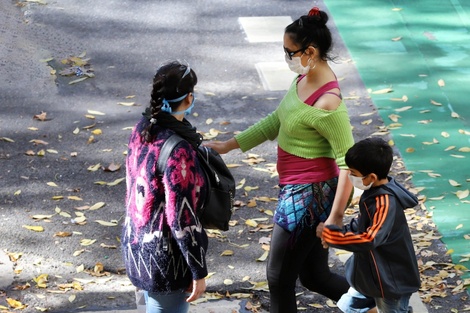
188	69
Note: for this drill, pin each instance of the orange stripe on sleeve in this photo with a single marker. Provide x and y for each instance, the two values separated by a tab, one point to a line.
339	238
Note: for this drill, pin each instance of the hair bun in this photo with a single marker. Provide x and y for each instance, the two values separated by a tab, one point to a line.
314	11
316	17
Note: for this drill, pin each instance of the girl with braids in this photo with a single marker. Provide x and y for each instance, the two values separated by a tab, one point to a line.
313	132
163	243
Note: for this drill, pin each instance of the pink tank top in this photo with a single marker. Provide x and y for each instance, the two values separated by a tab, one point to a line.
297	170
321	91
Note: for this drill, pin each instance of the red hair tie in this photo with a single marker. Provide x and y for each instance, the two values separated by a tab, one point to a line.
313	12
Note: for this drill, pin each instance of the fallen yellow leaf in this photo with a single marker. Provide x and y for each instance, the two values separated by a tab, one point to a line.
97	206
41	280
17	305
34	228
263	257
227	253
87	242
251	223
461	194
105	223
117	181
403	108
96	112
382	91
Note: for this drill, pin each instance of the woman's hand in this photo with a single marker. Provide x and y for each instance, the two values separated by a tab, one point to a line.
197	288
223	147
343	193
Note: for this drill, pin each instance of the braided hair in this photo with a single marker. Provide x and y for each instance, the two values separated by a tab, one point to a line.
311	30
172	81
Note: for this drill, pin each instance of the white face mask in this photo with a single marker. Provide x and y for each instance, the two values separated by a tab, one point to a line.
357	182
295	65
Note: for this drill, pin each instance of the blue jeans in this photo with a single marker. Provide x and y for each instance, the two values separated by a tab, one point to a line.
173	302
393	305
355	302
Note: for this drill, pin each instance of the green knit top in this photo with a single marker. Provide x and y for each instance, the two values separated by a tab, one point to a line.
303	130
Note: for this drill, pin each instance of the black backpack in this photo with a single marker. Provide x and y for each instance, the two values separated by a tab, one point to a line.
217	209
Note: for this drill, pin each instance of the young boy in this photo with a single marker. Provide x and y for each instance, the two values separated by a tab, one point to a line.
383	265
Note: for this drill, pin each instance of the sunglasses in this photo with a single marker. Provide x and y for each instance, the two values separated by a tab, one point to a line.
290	54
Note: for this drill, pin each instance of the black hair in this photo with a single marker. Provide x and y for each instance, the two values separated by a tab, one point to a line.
171	81
371	155
311	30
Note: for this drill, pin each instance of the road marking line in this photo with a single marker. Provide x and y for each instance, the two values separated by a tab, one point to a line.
265	28
275	75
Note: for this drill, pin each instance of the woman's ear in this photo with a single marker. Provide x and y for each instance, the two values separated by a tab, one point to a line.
311	51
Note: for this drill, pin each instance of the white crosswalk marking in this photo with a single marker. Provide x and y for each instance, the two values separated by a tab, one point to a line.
264	28
274	74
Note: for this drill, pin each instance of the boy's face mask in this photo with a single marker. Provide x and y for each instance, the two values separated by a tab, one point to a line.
357	182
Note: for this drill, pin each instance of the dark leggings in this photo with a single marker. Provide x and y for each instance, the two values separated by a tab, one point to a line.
308	261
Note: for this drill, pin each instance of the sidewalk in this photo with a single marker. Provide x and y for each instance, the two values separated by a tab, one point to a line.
219	306
209	306
238	306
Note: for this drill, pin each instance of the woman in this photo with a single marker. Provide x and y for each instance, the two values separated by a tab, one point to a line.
313	131
163	242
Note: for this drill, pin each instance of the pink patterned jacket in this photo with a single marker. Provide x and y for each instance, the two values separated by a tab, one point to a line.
163	242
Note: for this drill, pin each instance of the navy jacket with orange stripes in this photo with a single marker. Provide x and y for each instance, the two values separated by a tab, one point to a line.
383	264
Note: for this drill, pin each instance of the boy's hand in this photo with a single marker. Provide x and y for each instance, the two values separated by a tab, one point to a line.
319	233
324	244
319	229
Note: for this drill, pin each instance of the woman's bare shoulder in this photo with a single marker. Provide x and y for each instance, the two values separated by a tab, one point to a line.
328	102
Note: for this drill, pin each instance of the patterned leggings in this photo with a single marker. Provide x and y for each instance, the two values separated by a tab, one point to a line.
307	260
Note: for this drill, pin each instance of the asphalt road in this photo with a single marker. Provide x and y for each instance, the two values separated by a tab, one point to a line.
51	163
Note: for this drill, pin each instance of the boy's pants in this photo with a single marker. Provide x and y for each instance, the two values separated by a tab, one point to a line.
393	305
355	302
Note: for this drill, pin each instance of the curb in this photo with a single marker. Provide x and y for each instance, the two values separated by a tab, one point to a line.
218	306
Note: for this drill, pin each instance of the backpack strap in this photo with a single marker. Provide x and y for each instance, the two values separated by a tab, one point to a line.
165	152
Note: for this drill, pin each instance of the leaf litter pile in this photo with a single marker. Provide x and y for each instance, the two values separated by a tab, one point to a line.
76	68
252	218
